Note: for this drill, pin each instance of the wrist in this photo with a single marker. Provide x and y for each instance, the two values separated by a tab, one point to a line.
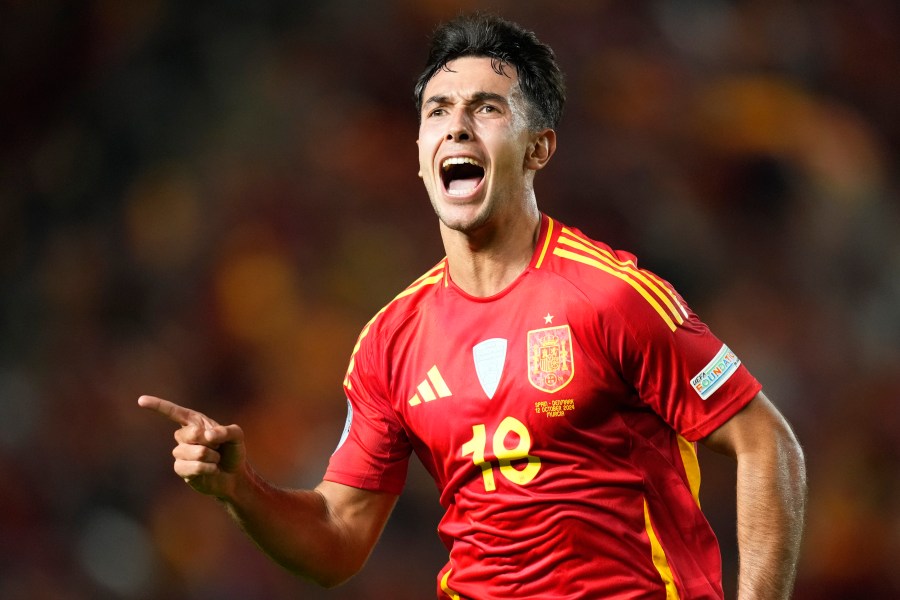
239	488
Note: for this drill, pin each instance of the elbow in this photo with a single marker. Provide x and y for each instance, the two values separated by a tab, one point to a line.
788	450
326	580
331	581
796	458
337	577
793	464
338	573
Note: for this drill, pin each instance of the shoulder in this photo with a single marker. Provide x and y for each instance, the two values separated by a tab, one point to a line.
611	279
571	254
409	301
403	307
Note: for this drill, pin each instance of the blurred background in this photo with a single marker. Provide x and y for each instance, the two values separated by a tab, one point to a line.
206	201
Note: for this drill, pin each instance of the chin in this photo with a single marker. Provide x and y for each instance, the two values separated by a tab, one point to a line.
469	220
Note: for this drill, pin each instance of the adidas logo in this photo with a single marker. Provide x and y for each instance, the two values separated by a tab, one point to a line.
431	388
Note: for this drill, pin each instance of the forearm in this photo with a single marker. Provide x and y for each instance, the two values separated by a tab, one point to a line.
324	534
296	528
771	498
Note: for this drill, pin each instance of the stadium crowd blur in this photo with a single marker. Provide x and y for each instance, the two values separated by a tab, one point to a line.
206	201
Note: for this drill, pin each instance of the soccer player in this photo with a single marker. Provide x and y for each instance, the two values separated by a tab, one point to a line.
554	389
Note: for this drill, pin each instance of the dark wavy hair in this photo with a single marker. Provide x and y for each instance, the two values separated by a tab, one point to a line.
504	42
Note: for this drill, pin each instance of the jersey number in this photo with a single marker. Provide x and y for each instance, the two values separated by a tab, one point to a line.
505	456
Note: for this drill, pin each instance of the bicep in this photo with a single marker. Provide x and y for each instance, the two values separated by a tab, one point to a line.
759	426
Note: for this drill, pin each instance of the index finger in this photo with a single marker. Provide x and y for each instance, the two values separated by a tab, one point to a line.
170	410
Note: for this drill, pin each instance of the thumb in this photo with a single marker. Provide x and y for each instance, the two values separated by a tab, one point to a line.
224	434
229	441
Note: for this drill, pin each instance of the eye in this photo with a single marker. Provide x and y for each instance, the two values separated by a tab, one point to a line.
437	112
487	108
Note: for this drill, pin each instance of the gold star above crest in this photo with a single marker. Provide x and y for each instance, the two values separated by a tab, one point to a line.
548	320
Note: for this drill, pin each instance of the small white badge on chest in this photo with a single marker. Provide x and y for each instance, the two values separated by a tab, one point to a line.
490	356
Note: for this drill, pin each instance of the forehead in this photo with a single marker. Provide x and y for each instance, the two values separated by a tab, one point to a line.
469	75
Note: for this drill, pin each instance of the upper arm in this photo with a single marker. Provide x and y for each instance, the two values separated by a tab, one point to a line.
758	427
771	496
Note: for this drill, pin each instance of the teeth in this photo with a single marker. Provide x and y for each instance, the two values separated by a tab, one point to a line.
459	160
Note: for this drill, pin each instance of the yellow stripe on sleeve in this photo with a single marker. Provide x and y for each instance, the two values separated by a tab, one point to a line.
660	290
668	291
624	277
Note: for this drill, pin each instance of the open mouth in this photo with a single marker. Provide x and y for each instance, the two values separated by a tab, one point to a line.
461	175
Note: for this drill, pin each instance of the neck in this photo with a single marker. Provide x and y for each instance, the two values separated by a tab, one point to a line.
485	262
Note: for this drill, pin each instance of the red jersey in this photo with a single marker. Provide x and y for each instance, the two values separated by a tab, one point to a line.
557	419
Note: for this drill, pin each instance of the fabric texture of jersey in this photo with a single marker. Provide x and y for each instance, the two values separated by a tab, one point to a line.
558	419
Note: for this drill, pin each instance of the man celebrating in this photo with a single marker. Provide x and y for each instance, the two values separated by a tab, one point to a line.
553	389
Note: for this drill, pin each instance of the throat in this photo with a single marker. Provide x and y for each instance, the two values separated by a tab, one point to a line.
483	279
484	261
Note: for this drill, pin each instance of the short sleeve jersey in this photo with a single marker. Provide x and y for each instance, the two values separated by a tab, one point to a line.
558	419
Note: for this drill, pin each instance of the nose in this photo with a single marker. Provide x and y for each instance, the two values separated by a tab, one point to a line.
457	135
459	129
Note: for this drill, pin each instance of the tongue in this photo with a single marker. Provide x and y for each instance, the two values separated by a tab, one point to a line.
463	185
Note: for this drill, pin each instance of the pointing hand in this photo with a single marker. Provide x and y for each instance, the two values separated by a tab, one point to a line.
208	456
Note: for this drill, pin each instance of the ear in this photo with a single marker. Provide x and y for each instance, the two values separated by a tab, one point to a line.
540	150
419	174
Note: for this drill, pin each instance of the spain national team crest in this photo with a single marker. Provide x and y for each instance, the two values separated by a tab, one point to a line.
551	363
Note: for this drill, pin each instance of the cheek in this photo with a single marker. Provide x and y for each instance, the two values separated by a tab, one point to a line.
426	149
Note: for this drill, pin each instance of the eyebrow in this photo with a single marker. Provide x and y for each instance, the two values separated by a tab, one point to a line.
473	99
